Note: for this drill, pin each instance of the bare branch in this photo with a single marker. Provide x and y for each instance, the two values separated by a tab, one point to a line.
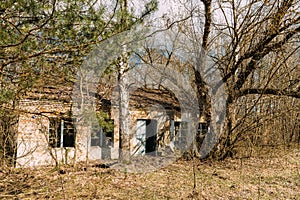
207	25
270	91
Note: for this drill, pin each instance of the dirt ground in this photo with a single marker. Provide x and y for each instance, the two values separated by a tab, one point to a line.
271	174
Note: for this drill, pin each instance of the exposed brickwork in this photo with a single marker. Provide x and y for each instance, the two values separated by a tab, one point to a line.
33	133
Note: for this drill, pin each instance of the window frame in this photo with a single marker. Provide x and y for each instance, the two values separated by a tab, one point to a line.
101	137
59	134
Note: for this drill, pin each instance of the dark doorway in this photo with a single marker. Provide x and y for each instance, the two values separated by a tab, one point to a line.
146	136
151	135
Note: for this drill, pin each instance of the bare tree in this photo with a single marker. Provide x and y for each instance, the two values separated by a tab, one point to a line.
253	35
254	45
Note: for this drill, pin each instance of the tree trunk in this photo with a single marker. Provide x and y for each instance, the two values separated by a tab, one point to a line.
224	147
204	105
124	135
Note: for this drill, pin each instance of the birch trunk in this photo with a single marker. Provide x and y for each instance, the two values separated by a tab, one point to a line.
124	135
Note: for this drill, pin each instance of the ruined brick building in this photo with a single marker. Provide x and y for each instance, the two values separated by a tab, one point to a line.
48	132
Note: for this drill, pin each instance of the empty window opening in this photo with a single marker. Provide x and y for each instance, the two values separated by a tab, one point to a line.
61	132
103	136
176	129
179	133
202	128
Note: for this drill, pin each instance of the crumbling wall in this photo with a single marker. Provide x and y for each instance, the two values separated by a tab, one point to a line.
33	134
157	113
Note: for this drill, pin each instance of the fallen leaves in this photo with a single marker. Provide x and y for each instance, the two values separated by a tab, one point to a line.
269	177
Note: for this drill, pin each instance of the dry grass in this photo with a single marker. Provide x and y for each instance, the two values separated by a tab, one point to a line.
272	175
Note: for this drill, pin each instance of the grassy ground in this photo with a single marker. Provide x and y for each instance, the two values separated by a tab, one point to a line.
268	175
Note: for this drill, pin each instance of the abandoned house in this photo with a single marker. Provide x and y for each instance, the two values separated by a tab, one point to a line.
48	134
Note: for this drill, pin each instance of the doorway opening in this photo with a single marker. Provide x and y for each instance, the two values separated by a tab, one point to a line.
146	136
